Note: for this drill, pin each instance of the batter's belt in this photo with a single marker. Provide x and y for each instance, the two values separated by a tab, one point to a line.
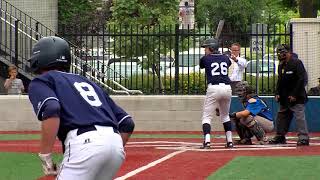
85	129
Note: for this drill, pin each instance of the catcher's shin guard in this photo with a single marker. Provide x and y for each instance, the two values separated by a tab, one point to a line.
243	131
257	131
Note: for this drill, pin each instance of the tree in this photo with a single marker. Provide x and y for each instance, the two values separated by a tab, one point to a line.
307	8
87	15
235	12
140	17
279	12
238	14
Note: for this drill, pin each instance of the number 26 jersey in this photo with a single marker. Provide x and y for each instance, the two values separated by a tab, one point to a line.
216	67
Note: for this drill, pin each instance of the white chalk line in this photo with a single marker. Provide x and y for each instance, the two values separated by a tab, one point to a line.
136	171
166	144
155	142
225	149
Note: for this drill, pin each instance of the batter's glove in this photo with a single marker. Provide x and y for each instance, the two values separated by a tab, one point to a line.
49	168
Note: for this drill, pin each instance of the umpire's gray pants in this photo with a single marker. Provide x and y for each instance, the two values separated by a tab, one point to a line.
284	119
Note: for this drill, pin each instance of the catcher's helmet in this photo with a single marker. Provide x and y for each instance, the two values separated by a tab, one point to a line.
243	89
211	43
49	53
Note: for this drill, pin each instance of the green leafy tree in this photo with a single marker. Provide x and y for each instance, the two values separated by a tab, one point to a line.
141	17
236	13
84	15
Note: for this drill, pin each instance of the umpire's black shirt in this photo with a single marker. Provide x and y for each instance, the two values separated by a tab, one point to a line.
291	81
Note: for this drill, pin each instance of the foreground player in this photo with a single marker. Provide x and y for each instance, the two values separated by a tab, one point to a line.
218	92
85	119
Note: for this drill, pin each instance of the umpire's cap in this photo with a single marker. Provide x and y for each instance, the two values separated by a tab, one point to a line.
50	53
211	43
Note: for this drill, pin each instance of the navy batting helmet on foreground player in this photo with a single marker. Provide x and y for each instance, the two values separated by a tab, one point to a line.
85	119
218	92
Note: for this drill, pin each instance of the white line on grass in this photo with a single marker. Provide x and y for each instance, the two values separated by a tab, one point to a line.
136	171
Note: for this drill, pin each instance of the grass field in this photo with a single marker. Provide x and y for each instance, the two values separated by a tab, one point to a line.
18	159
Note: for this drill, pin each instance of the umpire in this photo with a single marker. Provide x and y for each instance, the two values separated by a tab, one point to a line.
291	94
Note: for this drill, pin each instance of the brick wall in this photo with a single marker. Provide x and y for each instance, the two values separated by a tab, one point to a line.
306	38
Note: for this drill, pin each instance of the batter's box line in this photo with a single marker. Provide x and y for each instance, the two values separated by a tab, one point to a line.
214	144
226	149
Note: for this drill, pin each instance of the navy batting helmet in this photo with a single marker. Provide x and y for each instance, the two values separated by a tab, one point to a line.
211	43
50	53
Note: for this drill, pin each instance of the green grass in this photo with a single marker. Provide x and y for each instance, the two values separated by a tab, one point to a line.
21	166
267	168
19	137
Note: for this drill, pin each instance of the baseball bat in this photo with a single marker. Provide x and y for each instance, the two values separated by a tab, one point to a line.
219	28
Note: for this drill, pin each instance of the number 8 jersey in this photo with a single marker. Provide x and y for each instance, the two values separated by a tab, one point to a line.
216	68
93	107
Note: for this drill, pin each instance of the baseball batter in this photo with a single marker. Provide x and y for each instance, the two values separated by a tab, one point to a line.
218	92
85	119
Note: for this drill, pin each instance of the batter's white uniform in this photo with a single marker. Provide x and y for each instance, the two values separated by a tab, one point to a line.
217	96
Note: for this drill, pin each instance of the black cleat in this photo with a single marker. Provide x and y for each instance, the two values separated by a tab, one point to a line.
229	145
303	142
244	141
278	139
205	145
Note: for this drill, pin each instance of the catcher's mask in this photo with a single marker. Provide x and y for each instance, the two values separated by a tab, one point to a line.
282	51
244	91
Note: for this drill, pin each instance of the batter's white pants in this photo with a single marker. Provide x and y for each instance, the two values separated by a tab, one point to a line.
94	155
218	96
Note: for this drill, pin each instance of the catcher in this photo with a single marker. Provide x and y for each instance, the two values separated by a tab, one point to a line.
256	118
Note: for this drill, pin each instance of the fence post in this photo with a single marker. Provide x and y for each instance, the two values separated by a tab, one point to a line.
176	57
291	36
16	45
37	30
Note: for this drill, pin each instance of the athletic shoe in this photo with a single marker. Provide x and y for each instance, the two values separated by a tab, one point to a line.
303	142
244	141
206	145
264	141
229	145
278	139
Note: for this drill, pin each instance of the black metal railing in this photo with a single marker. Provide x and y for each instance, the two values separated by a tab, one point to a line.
153	59
144	58
19	32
